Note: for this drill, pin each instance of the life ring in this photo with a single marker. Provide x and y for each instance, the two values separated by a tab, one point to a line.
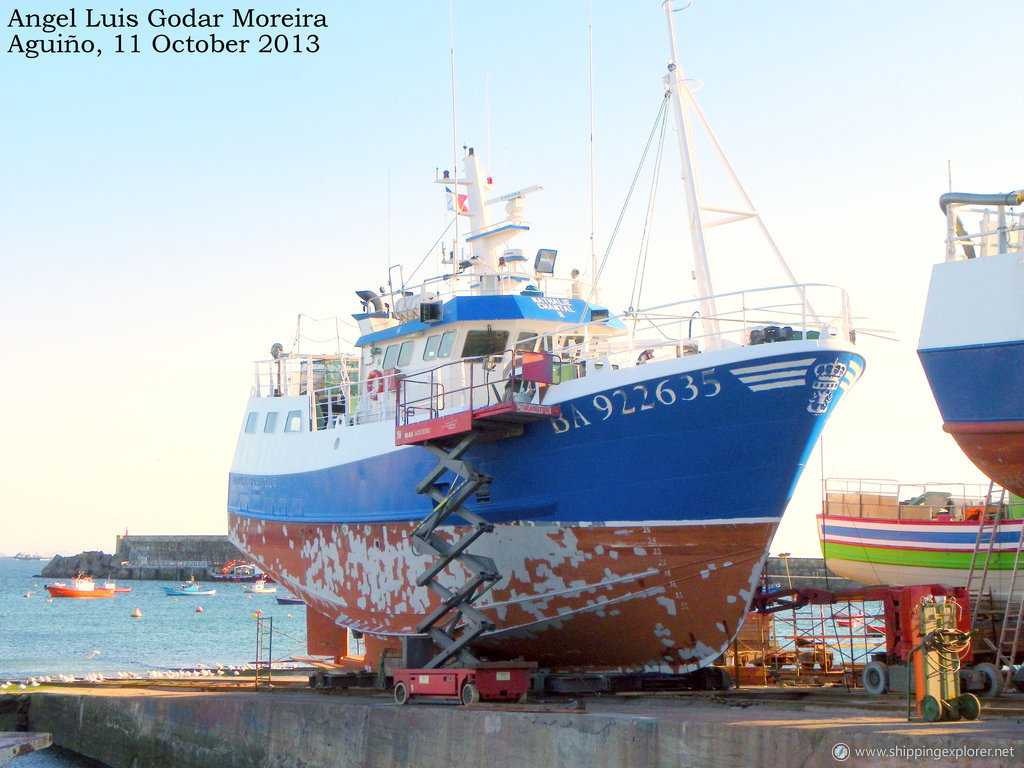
374	384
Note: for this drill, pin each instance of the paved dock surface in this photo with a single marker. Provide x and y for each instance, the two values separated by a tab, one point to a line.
230	726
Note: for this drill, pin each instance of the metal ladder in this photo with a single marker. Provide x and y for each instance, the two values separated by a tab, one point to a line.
983	557
264	642
455	623
1010	632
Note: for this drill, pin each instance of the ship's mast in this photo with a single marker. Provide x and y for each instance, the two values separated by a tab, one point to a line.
682	100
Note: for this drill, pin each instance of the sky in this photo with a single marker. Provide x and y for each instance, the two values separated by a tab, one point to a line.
166	217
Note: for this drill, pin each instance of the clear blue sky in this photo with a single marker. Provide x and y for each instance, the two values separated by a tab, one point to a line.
165	218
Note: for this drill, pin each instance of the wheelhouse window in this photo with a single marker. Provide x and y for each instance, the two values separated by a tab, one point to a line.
444	349
271	422
527	341
390	356
294	422
405	353
250	421
480	343
430	348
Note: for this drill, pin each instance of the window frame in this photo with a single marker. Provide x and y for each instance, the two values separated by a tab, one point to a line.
447	344
293	422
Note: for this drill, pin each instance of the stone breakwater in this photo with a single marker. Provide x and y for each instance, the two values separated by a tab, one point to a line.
169	558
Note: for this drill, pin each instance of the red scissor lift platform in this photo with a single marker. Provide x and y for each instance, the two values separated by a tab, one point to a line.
486	681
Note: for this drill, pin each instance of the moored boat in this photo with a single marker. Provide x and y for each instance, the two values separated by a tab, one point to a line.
189	589
288	600
972	335
81	586
234	571
902	534
260	588
594	489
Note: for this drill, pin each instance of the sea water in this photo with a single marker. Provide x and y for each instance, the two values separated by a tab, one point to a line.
42	636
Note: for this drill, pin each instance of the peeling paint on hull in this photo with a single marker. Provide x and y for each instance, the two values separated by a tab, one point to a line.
671	596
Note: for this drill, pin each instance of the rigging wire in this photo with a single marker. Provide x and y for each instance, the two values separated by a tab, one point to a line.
645	238
430	250
338	338
662	112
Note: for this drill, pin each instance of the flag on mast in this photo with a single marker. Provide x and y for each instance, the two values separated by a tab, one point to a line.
463	205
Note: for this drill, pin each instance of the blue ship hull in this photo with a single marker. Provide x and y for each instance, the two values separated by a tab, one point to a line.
687	452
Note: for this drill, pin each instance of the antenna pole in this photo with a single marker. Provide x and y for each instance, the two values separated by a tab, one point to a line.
593	216
455	138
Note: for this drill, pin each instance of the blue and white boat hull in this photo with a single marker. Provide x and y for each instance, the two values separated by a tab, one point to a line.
652	498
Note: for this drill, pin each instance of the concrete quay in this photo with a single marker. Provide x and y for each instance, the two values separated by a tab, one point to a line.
13	744
231	727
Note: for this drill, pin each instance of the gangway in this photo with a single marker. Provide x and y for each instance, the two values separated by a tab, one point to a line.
477	411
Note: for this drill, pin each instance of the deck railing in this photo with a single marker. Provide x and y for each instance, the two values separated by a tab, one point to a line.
579	348
471	384
891	500
978	230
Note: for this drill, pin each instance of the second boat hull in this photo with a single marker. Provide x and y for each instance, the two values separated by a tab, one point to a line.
900	553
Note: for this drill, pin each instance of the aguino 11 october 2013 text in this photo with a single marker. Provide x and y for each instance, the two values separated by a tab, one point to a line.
94	31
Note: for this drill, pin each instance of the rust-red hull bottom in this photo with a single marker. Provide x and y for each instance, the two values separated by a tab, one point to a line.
633	597
996	448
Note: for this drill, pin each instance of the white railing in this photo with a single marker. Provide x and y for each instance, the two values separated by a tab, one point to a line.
581	347
291	375
504	282
890	499
743	318
974	231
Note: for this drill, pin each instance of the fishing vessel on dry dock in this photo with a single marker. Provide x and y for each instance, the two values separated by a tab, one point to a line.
505	466
972	335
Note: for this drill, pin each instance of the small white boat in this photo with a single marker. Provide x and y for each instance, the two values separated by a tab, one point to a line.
260	588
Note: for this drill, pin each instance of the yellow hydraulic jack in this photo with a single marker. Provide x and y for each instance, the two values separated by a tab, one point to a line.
935	670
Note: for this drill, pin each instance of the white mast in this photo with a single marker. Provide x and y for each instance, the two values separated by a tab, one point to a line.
685	107
680	92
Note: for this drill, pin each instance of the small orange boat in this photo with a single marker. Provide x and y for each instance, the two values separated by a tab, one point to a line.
83	586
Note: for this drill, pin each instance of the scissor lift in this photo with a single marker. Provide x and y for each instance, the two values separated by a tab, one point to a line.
449	435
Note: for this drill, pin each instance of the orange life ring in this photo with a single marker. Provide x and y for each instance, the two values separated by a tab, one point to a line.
374	384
